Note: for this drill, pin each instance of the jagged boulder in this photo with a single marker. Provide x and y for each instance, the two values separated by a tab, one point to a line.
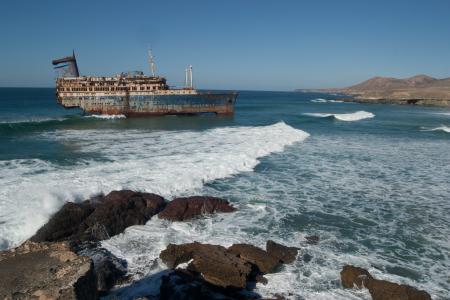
180	209
216	264
82	225
183	284
257	256
380	289
46	271
100	218
284	254
65	223
119	210
216	272
108	268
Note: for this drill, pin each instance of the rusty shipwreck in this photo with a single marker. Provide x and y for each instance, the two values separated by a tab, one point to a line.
135	94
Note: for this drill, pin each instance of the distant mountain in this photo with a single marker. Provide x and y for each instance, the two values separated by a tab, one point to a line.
388	83
419	89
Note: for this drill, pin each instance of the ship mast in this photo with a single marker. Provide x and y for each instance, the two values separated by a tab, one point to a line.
151	62
190	77
188	81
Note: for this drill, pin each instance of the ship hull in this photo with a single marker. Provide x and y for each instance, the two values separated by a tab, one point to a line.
148	105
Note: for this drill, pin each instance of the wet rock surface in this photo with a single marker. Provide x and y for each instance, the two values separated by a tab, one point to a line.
380	289
256	256
100	218
183	284
46	271
285	255
217	265
82	225
109	269
226	273
180	209
77	229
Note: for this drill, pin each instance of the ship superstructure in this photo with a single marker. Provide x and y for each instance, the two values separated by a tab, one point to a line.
134	93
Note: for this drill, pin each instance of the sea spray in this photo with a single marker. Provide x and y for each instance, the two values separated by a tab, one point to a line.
164	162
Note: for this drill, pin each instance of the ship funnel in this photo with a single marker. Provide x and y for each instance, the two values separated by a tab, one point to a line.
67	66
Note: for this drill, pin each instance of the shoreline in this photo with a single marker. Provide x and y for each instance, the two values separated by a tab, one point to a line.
411	101
65	258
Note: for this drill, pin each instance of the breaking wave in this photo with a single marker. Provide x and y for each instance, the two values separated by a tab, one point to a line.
356	116
108	117
32	120
440	128
321	100
168	163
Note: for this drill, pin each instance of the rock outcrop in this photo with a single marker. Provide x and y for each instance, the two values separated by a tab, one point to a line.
214	269
215	263
380	289
180	209
109	269
100	218
82	225
256	256
46	271
284	254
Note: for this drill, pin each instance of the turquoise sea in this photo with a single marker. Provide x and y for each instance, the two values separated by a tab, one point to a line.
372	181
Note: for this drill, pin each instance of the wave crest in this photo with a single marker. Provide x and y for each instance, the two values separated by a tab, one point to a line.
107	117
168	163
356	116
321	100
440	128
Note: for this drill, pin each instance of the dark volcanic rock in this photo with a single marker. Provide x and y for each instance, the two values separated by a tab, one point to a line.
180	209
285	254
351	276
100	218
182	285
82	225
215	272
216	264
186	285
119	210
65	223
46	271
108	269
257	256
380	289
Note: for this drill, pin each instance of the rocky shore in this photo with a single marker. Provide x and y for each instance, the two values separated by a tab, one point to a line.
417	90
398	101
65	260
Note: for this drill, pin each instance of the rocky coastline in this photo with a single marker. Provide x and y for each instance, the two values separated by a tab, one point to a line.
420	90
399	101
65	260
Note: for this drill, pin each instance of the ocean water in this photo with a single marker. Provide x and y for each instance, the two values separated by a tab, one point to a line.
371	180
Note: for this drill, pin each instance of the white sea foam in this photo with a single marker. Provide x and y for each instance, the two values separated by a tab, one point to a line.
321	100
443	113
440	128
107	117
356	116
164	162
31	120
368	212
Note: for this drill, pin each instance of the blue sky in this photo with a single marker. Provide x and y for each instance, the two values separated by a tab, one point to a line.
242	44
